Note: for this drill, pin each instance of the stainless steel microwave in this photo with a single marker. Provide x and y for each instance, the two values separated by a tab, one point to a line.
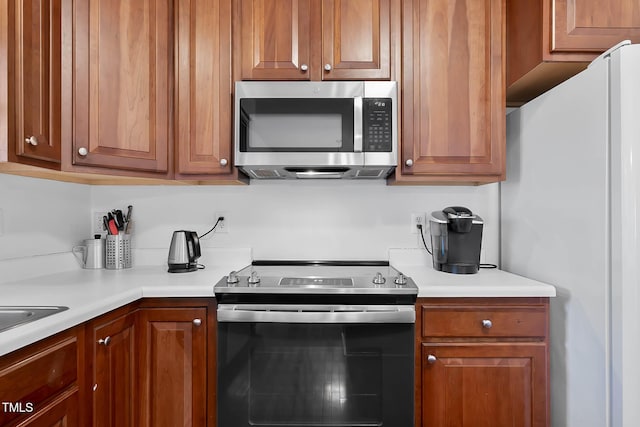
296	130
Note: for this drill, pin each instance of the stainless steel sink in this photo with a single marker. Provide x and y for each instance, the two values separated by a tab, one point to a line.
11	316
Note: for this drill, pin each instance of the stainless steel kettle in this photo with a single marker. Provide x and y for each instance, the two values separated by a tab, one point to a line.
184	251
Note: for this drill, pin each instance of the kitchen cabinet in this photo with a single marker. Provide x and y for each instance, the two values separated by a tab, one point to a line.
453	120
35	54
316	39
551	40
203	89
482	362
40	384
117	92
173	366
122	89
112	355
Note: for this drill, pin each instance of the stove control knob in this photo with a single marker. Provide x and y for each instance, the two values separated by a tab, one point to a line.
254	279
379	279
401	279
232	278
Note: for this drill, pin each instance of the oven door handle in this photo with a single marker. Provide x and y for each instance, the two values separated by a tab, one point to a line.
269	313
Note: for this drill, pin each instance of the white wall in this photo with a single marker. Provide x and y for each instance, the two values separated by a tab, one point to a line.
284	219
39	217
298	220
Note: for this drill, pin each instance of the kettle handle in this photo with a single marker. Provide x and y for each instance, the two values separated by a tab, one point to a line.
196	246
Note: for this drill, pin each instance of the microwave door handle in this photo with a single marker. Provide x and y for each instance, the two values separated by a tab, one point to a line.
357	124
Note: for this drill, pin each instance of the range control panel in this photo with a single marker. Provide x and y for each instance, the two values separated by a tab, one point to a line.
377	123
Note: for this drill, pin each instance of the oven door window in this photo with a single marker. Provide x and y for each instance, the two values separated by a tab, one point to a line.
296	125
274	374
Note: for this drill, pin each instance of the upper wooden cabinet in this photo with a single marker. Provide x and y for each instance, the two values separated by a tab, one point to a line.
35	50
551	40
203	88
122	91
453	120
314	39
133	89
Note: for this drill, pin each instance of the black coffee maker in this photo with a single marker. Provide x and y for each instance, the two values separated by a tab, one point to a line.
456	239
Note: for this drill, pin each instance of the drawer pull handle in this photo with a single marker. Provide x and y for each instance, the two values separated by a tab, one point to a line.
487	324
104	341
431	359
197	322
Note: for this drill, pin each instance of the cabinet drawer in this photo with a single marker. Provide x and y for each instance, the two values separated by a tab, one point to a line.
30	381
483	321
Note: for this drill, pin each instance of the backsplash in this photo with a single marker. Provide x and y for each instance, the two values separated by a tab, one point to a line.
298	220
41	217
288	220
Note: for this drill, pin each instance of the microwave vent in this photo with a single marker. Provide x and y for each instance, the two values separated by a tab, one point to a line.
370	173
265	173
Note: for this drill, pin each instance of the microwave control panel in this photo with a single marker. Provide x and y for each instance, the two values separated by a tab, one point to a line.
377	122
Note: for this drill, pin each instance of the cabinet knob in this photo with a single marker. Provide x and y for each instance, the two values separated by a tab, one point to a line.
104	341
304	67
224	162
95	387
32	140
487	324
327	67
197	322
83	151
409	162
431	359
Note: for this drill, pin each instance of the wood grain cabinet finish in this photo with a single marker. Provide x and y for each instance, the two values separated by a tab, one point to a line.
35	51
315	39
203	88
42	382
122	89
112	348
453	120
551	40
482	362
173	360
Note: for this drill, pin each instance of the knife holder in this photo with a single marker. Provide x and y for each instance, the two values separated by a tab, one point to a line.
118	251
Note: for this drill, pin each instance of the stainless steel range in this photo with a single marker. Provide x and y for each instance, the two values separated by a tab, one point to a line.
316	344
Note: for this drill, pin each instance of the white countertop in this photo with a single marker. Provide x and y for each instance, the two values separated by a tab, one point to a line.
90	293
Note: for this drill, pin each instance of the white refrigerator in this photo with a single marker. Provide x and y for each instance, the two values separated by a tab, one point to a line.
570	216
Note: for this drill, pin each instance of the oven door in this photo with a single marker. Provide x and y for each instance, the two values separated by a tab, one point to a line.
315	365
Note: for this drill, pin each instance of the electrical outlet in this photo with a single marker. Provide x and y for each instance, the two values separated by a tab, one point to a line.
97	225
417	218
223	226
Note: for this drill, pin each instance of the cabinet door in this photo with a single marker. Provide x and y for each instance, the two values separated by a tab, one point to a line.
275	39
355	39
484	385
122	92
593	25
114	372
203	101
61	412
453	87
37	63
173	360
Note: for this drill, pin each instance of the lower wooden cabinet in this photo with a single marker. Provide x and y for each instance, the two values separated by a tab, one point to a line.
113	366
482	362
40	384
173	366
151	362
61	412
